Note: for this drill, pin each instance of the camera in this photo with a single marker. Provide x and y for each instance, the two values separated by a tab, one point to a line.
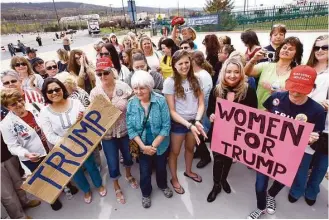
269	54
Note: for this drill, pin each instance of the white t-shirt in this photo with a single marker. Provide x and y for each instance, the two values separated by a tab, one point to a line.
38	82
153	61
124	73
207	85
320	93
55	125
188	107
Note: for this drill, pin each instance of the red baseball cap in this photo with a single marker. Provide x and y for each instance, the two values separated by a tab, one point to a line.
103	63
301	79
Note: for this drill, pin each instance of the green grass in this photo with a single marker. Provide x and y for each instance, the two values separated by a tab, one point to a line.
314	23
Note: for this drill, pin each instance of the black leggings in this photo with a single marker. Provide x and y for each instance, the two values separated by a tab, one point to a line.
222	166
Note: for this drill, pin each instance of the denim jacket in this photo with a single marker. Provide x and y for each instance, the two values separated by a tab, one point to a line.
159	119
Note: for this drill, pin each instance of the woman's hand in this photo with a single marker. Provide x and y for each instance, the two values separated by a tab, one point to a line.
201	129
34	157
212	117
259	55
314	136
80	116
195	133
149	150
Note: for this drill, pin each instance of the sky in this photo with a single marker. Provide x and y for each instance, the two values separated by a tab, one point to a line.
160	3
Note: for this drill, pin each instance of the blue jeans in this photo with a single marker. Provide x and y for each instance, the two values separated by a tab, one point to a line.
261	189
145	167
111	150
319	169
80	178
33	165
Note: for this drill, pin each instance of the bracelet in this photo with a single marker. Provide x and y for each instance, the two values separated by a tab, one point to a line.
190	125
196	121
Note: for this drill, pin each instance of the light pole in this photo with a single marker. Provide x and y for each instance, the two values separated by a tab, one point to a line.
56	13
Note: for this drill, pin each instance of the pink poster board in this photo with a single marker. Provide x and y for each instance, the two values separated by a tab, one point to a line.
271	144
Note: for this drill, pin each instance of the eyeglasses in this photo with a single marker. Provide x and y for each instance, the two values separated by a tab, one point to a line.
51	67
105	73
10	82
20	64
51	91
14	105
184	48
317	48
104	54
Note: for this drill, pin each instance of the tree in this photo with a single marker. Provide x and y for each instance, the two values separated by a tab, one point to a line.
213	6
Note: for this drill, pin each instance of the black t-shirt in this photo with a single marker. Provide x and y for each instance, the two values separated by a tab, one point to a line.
212	59
61	66
217	70
250	100
311	112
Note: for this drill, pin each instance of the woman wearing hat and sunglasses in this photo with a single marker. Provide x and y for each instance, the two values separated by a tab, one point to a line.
294	103
118	93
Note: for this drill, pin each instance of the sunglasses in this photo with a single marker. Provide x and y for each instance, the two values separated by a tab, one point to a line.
317	48
104	54
105	73
51	91
51	67
20	64
10	82
16	103
184	48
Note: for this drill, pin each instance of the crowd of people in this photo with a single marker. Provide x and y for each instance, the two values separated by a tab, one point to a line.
167	95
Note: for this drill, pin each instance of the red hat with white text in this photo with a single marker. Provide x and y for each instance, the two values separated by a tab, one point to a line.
301	79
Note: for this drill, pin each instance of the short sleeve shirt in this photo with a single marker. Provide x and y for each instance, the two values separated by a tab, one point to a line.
268	75
186	107
311	112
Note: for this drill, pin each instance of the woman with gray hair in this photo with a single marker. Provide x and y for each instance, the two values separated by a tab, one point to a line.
139	62
148	123
11	79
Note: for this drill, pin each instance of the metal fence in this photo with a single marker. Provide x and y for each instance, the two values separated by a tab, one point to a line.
306	17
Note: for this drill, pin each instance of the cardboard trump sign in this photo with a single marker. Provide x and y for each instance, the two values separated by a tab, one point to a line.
269	143
64	160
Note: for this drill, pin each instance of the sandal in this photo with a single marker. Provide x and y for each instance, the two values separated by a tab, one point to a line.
88	199
196	178
120	199
179	190
132	181
103	192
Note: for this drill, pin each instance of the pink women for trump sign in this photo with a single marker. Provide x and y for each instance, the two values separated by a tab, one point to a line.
269	143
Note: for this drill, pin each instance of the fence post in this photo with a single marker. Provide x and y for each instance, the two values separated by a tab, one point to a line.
273	16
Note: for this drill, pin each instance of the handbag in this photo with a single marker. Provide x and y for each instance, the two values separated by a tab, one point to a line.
133	146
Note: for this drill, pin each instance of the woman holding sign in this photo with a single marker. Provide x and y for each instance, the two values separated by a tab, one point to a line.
294	104
233	87
116	139
185	99
61	113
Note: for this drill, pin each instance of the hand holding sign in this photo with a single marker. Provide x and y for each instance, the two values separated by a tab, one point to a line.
314	136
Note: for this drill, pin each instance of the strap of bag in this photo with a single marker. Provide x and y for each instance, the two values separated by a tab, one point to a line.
36	106
147	117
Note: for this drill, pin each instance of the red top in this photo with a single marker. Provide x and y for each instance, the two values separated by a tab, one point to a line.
250	55
29	119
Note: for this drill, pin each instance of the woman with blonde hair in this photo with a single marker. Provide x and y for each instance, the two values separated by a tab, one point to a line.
127	42
51	68
152	57
30	80
81	68
63	57
233	87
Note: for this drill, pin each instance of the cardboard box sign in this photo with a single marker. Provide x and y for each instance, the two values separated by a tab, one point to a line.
271	144
67	156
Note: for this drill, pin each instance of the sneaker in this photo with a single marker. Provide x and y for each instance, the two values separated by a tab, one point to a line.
167	192
256	214
146	202
270	205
